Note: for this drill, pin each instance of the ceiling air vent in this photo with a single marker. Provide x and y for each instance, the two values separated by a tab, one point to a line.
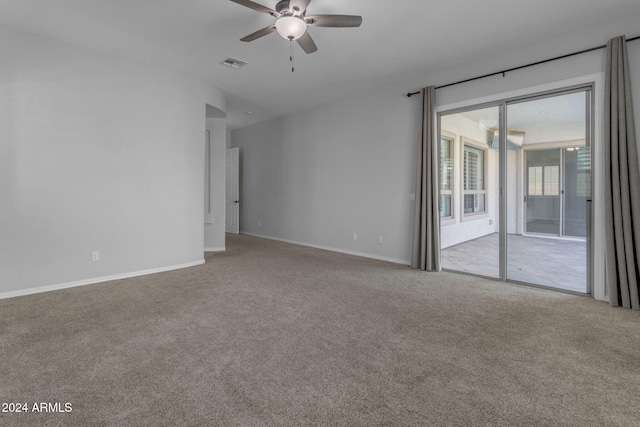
233	63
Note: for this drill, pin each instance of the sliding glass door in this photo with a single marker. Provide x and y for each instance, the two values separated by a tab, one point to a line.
557	190
469	193
542	199
551	249
576	187
515	187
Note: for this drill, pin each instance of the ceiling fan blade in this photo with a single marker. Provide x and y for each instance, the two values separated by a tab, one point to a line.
260	33
256	6
298	6
306	43
333	20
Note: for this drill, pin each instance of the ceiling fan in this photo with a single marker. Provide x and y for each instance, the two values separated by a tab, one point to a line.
291	21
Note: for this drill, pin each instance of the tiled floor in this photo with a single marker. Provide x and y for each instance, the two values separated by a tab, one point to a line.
556	263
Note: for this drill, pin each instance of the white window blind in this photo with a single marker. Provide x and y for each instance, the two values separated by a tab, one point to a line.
473	180
543	180
535	180
446	178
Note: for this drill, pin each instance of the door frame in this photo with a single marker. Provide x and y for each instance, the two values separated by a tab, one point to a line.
232	191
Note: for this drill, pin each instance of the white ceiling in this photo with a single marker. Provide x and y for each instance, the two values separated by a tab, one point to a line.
396	39
553	110
555	118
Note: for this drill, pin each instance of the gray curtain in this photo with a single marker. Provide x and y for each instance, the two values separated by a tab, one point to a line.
425	253
622	181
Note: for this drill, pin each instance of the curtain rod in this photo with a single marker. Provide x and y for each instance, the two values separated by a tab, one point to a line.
410	94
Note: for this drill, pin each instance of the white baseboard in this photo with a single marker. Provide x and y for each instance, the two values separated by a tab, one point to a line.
38	290
327	248
215	249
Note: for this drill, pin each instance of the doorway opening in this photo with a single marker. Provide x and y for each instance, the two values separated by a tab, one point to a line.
214	179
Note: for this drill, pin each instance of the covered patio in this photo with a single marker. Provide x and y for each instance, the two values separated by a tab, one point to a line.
556	263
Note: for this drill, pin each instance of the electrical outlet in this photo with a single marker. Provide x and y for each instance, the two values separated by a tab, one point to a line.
380	239
95	256
259	224
355	236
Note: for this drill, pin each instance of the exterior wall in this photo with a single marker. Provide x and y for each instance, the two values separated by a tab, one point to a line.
461	227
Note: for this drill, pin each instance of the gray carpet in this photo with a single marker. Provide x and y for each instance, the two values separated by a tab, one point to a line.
276	334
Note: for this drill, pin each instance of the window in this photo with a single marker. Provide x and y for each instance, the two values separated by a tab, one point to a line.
544	180
535	181
446	178
551	180
473	179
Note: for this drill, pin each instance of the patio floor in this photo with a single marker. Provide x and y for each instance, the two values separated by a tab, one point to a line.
542	261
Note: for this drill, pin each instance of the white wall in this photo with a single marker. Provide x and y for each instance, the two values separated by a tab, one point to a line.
463	228
320	175
100	154
214	232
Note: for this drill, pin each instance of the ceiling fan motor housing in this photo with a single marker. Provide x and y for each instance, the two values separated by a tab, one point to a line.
283	8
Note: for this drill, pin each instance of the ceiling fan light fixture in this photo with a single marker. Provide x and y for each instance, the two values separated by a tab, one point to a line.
291	27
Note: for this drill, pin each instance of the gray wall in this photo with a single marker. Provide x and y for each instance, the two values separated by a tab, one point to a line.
320	175
96	154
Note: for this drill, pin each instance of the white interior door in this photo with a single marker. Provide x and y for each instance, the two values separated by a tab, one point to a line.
232	187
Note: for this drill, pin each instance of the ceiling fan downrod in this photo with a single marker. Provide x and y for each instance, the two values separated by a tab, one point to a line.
293	64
